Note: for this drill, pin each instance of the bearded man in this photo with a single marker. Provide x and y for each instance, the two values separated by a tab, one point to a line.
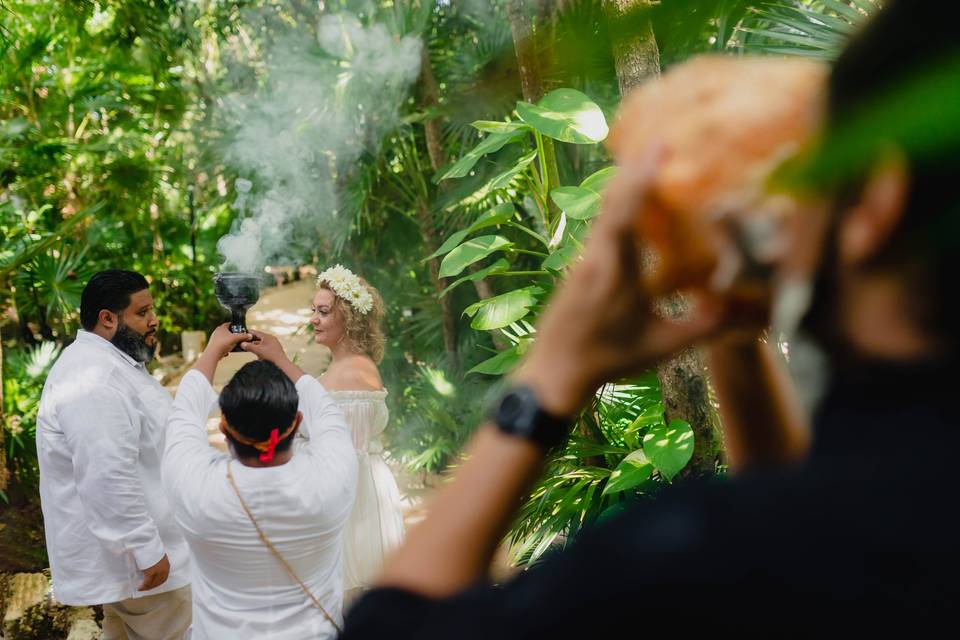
111	536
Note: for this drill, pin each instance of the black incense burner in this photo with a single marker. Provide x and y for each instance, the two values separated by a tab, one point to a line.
237	292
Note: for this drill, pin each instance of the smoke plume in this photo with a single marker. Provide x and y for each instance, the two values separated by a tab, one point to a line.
324	103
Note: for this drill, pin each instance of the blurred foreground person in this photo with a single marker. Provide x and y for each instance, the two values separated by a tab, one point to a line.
857	534
110	533
265	522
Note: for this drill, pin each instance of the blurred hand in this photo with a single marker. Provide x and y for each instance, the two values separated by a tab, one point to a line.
601	325
221	341
266	347
156	575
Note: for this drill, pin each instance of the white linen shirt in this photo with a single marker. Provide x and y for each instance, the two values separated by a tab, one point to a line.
100	431
240	590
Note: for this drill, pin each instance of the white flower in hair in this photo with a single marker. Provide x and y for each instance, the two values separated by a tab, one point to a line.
362	301
346	285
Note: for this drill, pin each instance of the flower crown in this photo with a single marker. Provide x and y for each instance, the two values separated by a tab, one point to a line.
348	287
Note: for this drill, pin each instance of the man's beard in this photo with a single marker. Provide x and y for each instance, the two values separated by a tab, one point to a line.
133	344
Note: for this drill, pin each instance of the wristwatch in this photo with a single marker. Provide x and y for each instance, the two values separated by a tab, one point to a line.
518	413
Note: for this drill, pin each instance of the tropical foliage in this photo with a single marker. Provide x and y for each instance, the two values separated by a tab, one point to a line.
116	118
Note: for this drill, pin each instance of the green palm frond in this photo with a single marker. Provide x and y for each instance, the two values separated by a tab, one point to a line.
16	254
802	28
571	493
52	284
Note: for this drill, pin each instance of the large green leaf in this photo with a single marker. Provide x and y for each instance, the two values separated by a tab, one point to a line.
631	472
583	202
560	258
491	144
495	126
469	252
598	181
499	266
578	203
566	115
496	216
502	363
503	310
449	244
669	447
501	213
503	179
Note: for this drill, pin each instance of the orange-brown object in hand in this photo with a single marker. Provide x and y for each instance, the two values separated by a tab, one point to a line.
724	124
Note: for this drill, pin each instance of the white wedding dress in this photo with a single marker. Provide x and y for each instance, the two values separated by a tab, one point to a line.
375	526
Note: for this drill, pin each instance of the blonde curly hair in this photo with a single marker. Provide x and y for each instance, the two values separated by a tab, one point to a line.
363	330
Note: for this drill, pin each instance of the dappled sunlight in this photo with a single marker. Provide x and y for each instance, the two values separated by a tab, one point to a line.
284	322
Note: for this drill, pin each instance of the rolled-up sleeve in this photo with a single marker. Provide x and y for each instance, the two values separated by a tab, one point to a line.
103	433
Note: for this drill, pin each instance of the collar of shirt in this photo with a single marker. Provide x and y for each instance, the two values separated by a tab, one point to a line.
87	337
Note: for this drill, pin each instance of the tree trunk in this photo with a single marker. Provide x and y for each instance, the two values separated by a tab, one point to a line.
527	42
636	57
433	131
446	309
429	99
3	445
683	380
686	396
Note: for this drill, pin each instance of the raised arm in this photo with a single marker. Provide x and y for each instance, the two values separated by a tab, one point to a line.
221	343
267	347
187	446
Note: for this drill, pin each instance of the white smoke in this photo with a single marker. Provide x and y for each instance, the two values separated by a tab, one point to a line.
324	103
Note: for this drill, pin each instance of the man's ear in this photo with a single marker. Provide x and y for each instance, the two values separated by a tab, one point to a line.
108	319
866	227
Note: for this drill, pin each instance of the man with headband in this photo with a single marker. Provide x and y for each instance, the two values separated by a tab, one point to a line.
110	535
264	522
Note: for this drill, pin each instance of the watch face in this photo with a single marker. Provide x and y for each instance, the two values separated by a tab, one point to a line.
517	411
511	408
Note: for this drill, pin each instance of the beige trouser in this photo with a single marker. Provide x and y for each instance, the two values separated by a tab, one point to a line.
164	616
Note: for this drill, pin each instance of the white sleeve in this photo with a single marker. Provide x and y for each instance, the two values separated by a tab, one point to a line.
103	434
328	440
188	453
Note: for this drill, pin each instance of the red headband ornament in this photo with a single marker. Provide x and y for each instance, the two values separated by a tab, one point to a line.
268	448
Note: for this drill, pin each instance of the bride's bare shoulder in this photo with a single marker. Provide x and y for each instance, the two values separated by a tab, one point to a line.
356	373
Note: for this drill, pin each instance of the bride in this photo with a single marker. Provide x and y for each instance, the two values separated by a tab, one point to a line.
347	315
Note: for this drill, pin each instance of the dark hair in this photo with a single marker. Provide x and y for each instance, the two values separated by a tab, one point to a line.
259	398
905	40
111	290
